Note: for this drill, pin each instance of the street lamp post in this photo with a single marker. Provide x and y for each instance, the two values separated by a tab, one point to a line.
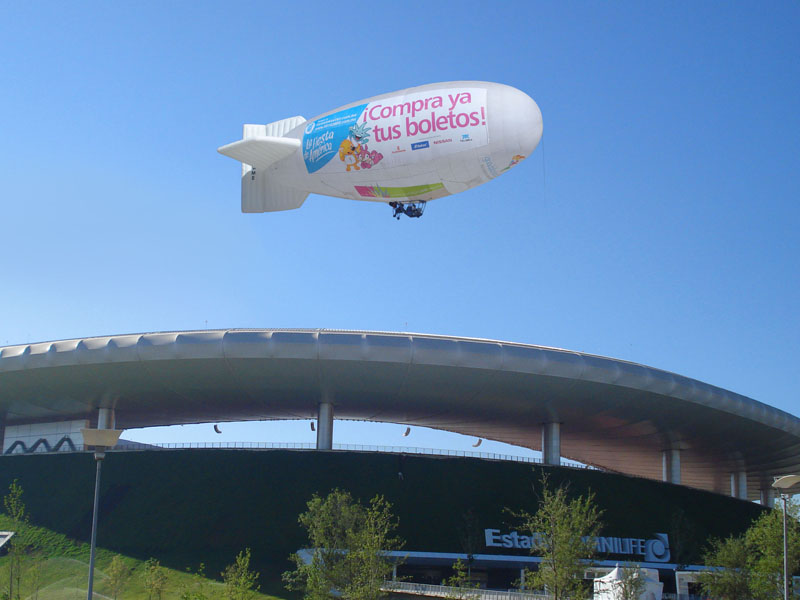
101	439
785	553
783	484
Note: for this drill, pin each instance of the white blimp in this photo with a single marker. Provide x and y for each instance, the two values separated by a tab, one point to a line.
403	148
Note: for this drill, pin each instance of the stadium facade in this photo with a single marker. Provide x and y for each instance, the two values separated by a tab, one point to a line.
679	437
616	415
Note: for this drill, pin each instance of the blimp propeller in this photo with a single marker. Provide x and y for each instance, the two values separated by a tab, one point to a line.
404	148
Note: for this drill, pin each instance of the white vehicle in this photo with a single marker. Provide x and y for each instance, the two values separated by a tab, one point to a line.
403	148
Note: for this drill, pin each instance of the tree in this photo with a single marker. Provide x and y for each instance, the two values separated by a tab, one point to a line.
118	574
563	531
17	549
631	584
155	578
196	587
764	541
240	581
683	538
347	548
731	581
470	536
34	575
461	580
751	565
13	504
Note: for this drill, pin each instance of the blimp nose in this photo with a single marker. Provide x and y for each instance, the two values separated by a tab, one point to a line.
527	121
515	119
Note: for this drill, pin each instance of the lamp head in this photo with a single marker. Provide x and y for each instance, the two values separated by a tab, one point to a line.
785	482
107	438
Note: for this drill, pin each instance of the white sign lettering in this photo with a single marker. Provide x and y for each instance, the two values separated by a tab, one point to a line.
653	550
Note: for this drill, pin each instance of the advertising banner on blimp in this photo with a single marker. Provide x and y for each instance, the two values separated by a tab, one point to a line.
398	130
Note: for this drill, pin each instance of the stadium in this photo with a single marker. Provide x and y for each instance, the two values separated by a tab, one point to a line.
672	460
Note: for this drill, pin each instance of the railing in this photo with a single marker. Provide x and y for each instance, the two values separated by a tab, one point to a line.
336	447
352	448
459	593
128	446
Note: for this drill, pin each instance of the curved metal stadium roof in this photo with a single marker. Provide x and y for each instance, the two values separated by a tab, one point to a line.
614	414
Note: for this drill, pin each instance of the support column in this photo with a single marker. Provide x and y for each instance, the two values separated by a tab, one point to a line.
671	465
551	443
741	492
106	419
768	497
325	425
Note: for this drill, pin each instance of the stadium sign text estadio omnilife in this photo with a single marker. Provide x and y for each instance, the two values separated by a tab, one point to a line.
652	550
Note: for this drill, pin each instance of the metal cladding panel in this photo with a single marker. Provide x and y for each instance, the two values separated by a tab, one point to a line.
632	375
199	344
614	414
342	346
525	359
480	355
124	348
389	348
596	368
434	351
561	363
248	344
13	358
289	344
94	351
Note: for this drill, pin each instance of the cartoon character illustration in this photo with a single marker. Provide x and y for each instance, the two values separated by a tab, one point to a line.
515	160
348	154
353	150
359	133
365	158
369	158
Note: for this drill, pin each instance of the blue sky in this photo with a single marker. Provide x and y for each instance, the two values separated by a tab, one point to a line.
657	222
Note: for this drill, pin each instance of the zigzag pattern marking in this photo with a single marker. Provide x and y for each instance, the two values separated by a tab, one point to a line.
41	442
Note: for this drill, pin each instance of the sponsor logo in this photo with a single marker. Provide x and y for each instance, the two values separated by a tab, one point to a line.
652	550
446	141
323	139
488	167
376	191
465	138
657	549
398	150
420	145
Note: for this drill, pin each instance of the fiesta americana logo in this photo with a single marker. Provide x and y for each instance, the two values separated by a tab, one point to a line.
655	549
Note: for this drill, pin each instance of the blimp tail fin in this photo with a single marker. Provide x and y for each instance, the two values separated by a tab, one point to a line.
259	194
276	128
261	147
260	152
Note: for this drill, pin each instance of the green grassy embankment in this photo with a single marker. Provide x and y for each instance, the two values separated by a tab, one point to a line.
57	569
